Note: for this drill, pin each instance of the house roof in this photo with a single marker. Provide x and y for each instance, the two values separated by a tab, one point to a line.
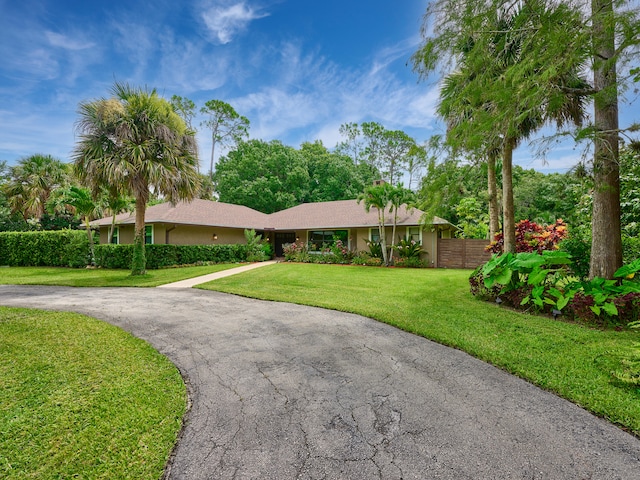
196	212
320	215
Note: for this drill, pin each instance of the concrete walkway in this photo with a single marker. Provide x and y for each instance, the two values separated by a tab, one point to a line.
283	391
190	282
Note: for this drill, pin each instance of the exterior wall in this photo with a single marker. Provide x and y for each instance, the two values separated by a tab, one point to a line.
196	235
181	235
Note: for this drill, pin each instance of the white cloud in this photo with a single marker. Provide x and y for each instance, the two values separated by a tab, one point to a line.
63	41
226	21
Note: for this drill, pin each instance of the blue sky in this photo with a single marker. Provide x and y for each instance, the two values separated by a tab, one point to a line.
298	69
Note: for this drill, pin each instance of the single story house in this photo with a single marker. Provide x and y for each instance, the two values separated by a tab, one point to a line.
202	222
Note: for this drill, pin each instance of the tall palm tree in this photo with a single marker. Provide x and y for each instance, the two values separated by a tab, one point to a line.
116	203
378	197
31	183
478	100
398	196
83	204
132	143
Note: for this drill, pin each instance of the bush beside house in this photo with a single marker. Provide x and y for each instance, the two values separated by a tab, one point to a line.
61	248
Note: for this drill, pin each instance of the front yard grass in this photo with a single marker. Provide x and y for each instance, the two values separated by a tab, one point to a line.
80	398
574	361
102	277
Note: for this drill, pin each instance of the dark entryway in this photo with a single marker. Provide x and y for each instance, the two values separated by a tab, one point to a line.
282	238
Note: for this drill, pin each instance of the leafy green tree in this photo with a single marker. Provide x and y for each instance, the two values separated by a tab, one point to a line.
446	183
185	108
543	198
31	182
226	125
332	176
492	46
630	192
352	145
265	176
567	36
387	150
133	143
473	220
379	197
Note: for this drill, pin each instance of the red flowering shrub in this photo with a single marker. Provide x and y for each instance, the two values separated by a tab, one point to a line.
531	237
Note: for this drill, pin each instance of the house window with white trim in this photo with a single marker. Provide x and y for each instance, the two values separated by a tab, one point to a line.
415	234
148	234
115	236
374	235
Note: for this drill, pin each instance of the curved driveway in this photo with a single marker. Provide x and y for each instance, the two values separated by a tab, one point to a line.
283	391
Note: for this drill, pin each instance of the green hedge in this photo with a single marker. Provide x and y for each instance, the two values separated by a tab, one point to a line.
60	248
158	256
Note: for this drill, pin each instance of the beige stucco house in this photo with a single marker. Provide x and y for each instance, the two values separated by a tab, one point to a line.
202	222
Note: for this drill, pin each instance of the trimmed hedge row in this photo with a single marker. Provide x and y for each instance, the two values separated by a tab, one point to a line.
158	256
70	248
60	248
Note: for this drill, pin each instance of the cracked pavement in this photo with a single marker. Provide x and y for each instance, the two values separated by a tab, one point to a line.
281	391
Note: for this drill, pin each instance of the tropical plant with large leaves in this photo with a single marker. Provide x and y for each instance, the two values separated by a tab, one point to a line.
31	182
134	143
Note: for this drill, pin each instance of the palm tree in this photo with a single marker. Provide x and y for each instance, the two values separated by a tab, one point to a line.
31	183
132	143
398	196
82	203
116	203
478	103
378	197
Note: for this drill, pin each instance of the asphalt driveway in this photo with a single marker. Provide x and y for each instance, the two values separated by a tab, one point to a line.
282	391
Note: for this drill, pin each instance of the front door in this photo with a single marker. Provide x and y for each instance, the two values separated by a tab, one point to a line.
282	238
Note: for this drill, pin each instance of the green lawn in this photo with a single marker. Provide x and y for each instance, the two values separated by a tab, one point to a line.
80	398
100	277
571	360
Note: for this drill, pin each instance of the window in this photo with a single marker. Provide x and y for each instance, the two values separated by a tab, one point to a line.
374	235
148	234
326	238
115	237
414	233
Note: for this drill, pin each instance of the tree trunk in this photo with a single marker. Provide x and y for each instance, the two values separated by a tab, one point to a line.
111	230
606	243
383	237
213	149
90	235
508	221
138	263
494	211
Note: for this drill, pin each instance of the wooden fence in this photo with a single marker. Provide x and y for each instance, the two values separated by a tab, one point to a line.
461	253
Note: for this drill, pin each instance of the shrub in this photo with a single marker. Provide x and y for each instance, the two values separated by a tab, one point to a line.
531	237
62	248
408	248
578	246
296	252
340	252
410	262
159	256
375	249
630	249
258	250
542	283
